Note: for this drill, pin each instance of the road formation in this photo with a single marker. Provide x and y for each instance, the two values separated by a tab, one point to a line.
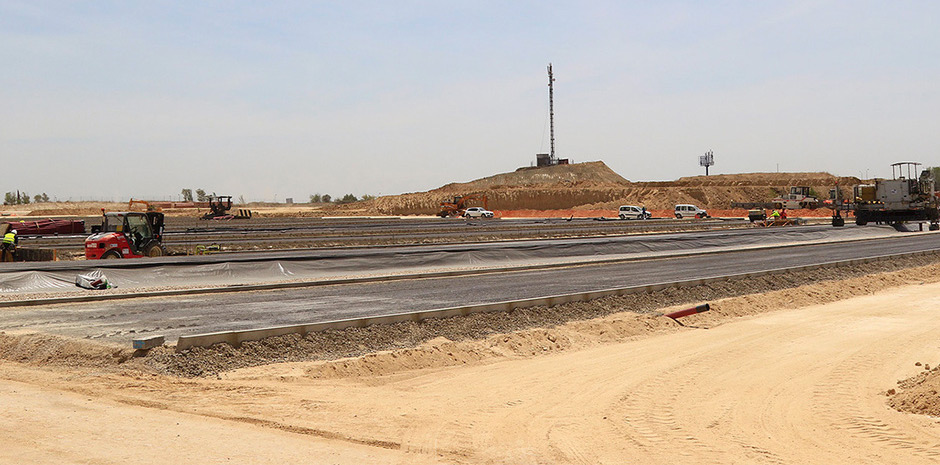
121	321
182	235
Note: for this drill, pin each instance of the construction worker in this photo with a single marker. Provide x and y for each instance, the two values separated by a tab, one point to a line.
775	215
9	245
783	213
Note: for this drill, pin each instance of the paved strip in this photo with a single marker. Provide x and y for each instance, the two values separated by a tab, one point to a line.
325	265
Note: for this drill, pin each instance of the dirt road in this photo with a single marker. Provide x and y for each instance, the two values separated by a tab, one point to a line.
792	386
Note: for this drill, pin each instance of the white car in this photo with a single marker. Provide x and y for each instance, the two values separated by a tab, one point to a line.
477	212
633	212
691	211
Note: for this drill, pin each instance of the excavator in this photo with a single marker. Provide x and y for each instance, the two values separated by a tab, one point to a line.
147	205
460	204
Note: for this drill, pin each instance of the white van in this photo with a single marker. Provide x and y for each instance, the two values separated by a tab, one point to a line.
633	212
690	211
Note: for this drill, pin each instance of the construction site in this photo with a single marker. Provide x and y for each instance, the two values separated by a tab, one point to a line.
404	329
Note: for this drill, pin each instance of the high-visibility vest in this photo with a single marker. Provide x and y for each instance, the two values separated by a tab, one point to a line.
9	238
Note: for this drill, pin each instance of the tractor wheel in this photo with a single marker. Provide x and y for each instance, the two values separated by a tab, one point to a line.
155	251
111	254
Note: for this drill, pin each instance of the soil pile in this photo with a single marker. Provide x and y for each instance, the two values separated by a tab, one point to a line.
594	187
919	394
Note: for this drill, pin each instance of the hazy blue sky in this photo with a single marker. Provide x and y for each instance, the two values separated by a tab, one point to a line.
262	99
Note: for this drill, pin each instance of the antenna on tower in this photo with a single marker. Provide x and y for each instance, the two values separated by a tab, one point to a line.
707	160
551	111
549	159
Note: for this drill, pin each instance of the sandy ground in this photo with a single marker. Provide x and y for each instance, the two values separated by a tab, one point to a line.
795	385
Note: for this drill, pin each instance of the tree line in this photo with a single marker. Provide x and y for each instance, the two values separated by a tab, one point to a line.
348	198
22	198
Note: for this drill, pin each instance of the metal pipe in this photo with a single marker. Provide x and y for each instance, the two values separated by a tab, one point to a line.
689	311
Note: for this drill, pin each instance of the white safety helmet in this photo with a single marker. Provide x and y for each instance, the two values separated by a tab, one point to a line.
14	231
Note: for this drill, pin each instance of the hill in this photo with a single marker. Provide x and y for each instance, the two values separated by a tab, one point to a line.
594	186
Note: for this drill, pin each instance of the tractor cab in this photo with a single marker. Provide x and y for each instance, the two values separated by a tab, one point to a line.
126	235
219	205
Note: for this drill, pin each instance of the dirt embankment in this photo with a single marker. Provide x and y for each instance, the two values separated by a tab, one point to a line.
594	187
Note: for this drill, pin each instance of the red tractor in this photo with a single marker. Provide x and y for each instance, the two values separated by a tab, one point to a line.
126	235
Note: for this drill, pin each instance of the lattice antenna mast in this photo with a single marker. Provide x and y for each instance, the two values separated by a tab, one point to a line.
551	110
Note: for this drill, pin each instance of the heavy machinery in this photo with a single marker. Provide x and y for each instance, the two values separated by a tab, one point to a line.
150	207
126	235
219	207
902	198
799	197
460	204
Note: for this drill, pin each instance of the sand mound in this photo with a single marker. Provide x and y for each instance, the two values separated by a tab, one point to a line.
919	394
594	173
45	349
766	179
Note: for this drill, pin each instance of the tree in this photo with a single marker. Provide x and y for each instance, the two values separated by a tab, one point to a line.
187	195
347	199
45	198
367	197
241	200
315	198
201	195
37	198
25	199
326	198
9	199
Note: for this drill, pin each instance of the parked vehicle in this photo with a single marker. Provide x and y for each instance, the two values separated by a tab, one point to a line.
126	235
633	212
478	212
690	211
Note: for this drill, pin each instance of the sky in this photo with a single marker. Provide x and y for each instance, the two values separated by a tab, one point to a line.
109	100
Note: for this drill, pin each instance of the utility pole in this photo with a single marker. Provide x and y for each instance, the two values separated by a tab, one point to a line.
551	110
